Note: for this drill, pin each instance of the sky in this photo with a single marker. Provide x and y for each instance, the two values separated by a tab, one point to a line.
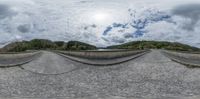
100	22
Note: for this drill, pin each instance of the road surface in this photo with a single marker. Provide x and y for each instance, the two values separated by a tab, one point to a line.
151	76
51	63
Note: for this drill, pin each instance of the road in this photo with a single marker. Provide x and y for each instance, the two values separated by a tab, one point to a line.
51	63
151	76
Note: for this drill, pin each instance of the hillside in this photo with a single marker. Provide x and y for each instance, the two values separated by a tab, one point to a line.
140	45
43	44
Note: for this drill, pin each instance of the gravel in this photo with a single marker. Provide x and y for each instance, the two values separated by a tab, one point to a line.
151	76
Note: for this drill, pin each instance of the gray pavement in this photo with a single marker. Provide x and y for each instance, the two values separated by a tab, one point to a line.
151	76
51	63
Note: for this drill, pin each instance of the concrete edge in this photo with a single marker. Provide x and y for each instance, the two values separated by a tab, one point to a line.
21	63
25	52
106	97
114	97
102	64
191	65
100	54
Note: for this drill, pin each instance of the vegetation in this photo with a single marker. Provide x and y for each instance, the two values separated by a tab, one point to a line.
42	44
140	45
76	45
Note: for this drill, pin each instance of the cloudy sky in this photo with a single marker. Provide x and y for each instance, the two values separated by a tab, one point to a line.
100	22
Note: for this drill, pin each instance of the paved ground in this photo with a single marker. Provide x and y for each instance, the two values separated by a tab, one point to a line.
150	76
51	63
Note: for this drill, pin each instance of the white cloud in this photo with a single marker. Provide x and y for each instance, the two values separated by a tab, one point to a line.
68	19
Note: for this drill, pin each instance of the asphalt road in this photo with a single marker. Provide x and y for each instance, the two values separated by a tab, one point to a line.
151	76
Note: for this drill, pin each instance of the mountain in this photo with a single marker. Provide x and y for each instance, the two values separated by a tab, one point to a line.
76	45
43	44
140	45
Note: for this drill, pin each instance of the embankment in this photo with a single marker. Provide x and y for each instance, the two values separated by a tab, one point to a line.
188	59
16	59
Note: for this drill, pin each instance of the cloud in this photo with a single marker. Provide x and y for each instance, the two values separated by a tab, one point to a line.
24	28
118	40
128	35
108	29
136	27
90	26
6	11
85	1
191	11
128	20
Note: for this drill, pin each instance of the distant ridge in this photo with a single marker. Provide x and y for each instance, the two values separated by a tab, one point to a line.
141	45
43	44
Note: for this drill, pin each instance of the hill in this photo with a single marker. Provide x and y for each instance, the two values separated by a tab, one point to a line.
140	45
43	44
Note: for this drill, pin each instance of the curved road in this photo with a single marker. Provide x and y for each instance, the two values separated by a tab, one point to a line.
152	76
